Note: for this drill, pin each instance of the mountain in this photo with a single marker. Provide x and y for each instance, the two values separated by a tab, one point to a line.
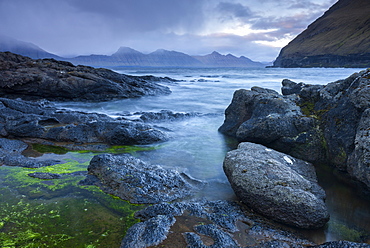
339	38
8	44
126	56
216	59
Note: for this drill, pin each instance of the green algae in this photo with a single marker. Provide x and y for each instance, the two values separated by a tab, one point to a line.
60	212
49	149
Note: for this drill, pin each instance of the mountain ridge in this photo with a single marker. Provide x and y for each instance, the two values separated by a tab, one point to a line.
339	38
126	56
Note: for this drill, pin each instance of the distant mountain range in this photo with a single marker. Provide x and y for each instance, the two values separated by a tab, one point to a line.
8	44
126	56
339	38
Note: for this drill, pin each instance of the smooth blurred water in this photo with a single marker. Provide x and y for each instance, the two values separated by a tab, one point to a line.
196	146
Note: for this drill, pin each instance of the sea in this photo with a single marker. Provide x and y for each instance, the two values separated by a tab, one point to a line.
195	147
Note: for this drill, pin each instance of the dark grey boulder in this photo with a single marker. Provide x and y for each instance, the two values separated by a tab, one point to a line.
23	119
265	117
134	180
276	185
216	224
316	123
359	161
59	80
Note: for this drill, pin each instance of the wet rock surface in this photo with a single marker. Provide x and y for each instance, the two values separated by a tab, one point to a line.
315	123
276	185
134	180
11	155
62	81
266	117
206	224
23	119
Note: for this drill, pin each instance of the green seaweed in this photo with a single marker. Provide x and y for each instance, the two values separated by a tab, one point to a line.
347	233
37	212
49	149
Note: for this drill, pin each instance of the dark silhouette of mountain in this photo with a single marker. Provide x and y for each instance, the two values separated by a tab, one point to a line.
126	56
339	38
8	44
216	59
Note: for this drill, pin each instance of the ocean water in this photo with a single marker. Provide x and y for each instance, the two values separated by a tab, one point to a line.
197	148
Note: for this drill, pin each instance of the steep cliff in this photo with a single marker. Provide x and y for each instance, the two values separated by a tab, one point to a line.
339	38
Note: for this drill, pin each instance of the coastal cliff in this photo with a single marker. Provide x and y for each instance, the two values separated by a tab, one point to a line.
339	38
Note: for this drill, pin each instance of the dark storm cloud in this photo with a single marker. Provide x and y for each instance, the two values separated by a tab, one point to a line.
75	27
145	15
234	10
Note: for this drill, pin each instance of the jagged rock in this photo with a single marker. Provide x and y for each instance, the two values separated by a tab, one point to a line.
341	244
164	115
138	182
263	116
205	224
276	185
23	119
59	80
315	123
11	155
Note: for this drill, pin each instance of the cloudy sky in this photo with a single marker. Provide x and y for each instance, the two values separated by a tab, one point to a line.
253	28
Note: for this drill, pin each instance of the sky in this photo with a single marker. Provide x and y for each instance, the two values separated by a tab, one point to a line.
257	29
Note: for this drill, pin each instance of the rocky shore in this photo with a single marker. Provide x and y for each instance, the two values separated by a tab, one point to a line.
22	77
270	171
316	123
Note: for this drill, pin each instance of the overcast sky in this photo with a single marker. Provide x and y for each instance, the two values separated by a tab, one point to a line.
257	29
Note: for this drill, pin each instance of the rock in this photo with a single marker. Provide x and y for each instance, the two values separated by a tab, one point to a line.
164	115
341	244
11	155
62	81
265	117
359	161
148	233
22	119
316	123
41	175
138	182
276	185
205	224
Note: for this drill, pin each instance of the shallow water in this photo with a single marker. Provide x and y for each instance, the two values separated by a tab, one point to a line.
197	148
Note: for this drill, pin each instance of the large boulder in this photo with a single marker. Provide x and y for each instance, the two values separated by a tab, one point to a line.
276	185
138	182
316	123
22	119
59	80
266	117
